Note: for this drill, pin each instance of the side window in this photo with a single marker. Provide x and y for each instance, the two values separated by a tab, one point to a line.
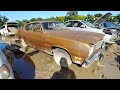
35	26
77	24
28	27
48	25
45	25
69	24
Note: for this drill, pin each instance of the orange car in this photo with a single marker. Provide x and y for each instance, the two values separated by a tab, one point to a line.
52	37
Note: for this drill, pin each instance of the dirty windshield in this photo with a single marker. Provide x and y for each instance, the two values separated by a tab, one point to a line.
50	26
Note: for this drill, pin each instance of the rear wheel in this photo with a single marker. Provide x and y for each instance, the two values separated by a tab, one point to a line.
62	58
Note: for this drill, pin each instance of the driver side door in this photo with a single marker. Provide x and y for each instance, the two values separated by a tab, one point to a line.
35	36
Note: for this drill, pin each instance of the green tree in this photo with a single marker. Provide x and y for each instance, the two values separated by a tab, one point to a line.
24	21
39	19
112	19
71	15
90	18
98	15
19	22
3	20
118	17
51	18
32	19
60	19
81	17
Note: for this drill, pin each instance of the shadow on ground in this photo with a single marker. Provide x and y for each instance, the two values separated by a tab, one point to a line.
23	66
118	42
118	60
65	72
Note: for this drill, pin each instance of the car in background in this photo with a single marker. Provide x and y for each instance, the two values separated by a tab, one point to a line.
11	27
6	71
82	25
110	27
2	31
53	38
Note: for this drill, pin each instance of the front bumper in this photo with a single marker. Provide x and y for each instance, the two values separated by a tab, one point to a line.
96	56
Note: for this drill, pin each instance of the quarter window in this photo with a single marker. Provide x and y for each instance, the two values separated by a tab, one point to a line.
28	27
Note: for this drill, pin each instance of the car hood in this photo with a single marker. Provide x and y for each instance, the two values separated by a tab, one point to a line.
90	29
86	37
102	18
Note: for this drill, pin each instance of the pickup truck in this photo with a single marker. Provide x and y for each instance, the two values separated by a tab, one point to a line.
53	38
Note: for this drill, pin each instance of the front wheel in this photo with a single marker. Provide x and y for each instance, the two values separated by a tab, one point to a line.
62	58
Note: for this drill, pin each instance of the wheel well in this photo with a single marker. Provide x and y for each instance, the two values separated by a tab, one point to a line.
54	47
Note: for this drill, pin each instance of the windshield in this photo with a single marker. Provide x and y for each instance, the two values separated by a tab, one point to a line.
53	26
88	24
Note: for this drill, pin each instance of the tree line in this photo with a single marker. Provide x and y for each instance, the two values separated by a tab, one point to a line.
70	15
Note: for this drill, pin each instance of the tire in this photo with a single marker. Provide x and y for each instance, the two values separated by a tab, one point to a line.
62	58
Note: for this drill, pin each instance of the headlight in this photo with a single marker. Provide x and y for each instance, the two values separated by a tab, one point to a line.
4	72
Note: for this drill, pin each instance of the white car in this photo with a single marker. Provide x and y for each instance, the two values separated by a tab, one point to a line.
81	25
6	71
8	32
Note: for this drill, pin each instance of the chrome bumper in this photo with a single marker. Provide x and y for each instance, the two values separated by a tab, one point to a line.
88	62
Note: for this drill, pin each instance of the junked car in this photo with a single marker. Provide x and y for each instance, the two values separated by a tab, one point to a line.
53	38
82	25
6	71
110	27
4	30
10	28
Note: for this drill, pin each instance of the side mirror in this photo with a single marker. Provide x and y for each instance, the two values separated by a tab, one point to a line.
82	26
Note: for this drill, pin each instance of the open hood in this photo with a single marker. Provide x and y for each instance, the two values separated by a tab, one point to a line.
102	18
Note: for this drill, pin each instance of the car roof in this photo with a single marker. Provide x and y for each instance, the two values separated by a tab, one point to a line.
75	20
42	21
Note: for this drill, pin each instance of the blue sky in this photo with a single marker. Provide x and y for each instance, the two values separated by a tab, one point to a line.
20	15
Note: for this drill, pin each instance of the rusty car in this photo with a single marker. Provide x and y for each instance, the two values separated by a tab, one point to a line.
52	37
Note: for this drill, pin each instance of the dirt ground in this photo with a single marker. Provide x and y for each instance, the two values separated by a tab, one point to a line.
39	65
